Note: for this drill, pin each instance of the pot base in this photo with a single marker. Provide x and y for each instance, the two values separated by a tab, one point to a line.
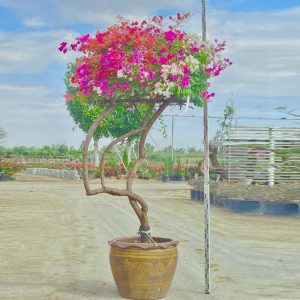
140	273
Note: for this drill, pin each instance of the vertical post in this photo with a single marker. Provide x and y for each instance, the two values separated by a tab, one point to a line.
206	174
121	159
172	139
271	169
96	153
206	201
229	155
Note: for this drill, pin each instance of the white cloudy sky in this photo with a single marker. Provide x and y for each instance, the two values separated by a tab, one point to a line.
262	39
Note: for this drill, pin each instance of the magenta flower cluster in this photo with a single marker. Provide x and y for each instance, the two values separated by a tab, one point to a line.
143	59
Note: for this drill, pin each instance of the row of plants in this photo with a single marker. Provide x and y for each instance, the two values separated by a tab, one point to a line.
150	170
53	151
8	169
186	155
166	171
54	165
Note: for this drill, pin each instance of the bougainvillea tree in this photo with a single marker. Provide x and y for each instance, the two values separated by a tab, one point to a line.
147	65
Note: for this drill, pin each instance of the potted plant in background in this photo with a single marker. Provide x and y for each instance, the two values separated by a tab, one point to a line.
9	168
179	171
9	165
135	66
168	171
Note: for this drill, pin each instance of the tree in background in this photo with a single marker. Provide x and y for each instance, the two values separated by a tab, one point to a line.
218	140
224	124
53	151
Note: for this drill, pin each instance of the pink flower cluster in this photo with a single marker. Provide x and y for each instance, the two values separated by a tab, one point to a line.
143	59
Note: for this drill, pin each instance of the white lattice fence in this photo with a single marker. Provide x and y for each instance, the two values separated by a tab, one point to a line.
262	154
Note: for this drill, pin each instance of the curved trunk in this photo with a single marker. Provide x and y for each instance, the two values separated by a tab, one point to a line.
144	228
138	204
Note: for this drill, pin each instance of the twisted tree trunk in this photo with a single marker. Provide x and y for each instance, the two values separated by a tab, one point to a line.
138	204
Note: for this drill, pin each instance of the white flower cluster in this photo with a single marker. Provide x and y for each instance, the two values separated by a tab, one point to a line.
120	74
97	90
192	63
163	88
172	69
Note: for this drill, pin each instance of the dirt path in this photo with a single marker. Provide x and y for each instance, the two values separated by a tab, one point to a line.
54	244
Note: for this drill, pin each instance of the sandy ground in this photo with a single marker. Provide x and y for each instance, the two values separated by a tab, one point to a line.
54	243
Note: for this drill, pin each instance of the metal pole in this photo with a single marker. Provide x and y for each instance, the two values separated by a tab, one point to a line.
206	174
271	169
172	138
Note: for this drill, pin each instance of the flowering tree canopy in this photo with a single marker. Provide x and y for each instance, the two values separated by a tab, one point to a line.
144	60
137	69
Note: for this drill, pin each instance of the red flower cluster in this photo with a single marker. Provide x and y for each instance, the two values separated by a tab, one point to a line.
156	167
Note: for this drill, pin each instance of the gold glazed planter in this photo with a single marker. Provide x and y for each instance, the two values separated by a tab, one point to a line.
143	270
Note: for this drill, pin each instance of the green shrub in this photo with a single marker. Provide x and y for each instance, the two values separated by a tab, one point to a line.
112	160
145	172
97	172
168	171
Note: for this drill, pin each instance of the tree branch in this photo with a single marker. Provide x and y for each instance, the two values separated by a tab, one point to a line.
102	162
135	200
87	141
142	156
133	203
108	148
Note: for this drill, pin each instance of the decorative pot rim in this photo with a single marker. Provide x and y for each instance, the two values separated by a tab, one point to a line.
134	242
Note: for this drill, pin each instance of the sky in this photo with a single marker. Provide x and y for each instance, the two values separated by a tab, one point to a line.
262	40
